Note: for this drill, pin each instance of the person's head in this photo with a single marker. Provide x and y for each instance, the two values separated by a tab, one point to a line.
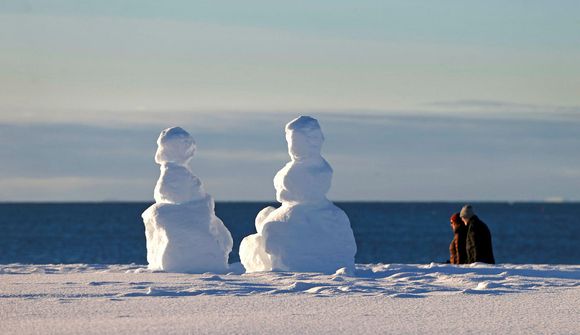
455	222
466	213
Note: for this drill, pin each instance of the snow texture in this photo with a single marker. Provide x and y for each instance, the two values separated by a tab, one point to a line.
374	299
307	232
183	233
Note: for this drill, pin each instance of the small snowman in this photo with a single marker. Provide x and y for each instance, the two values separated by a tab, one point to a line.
182	231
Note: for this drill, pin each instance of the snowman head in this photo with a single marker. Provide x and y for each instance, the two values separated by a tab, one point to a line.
174	145
304	138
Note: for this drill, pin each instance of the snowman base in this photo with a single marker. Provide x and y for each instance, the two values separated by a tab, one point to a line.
300	237
179	238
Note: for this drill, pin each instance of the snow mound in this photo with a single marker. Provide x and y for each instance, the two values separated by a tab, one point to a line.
391	280
183	233
130	299
307	233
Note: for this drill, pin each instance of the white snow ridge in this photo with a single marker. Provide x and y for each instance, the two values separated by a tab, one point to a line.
308	233
183	233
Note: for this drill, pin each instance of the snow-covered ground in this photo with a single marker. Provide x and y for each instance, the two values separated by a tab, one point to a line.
393	298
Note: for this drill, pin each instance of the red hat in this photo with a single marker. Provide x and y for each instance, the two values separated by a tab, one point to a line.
455	218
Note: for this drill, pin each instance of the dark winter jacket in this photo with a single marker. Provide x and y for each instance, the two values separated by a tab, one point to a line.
457	250
478	242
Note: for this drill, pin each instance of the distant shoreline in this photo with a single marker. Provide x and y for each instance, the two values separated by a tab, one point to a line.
503	202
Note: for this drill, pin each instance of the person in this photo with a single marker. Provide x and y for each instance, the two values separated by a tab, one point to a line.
457	251
478	239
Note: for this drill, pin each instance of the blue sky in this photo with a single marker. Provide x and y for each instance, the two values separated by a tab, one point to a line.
446	100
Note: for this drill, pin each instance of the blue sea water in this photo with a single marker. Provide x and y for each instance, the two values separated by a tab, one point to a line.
385	232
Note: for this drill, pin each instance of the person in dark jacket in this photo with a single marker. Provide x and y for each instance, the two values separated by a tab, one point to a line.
457	251
478	240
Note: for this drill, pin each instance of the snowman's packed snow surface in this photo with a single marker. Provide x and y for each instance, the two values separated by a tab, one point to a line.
307	232
182	231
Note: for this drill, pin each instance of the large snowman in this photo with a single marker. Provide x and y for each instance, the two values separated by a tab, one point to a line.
183	233
308	233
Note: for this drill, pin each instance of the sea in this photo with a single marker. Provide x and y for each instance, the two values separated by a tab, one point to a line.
385	232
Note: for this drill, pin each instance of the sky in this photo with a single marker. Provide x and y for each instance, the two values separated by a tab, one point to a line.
433	101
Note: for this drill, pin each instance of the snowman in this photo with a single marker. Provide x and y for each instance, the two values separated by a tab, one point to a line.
307	233
182	231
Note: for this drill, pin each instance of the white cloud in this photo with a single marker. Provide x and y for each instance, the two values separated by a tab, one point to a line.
244	155
494	109
380	157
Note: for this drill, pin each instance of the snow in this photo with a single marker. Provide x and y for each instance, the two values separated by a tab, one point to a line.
307	232
182	231
375	298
